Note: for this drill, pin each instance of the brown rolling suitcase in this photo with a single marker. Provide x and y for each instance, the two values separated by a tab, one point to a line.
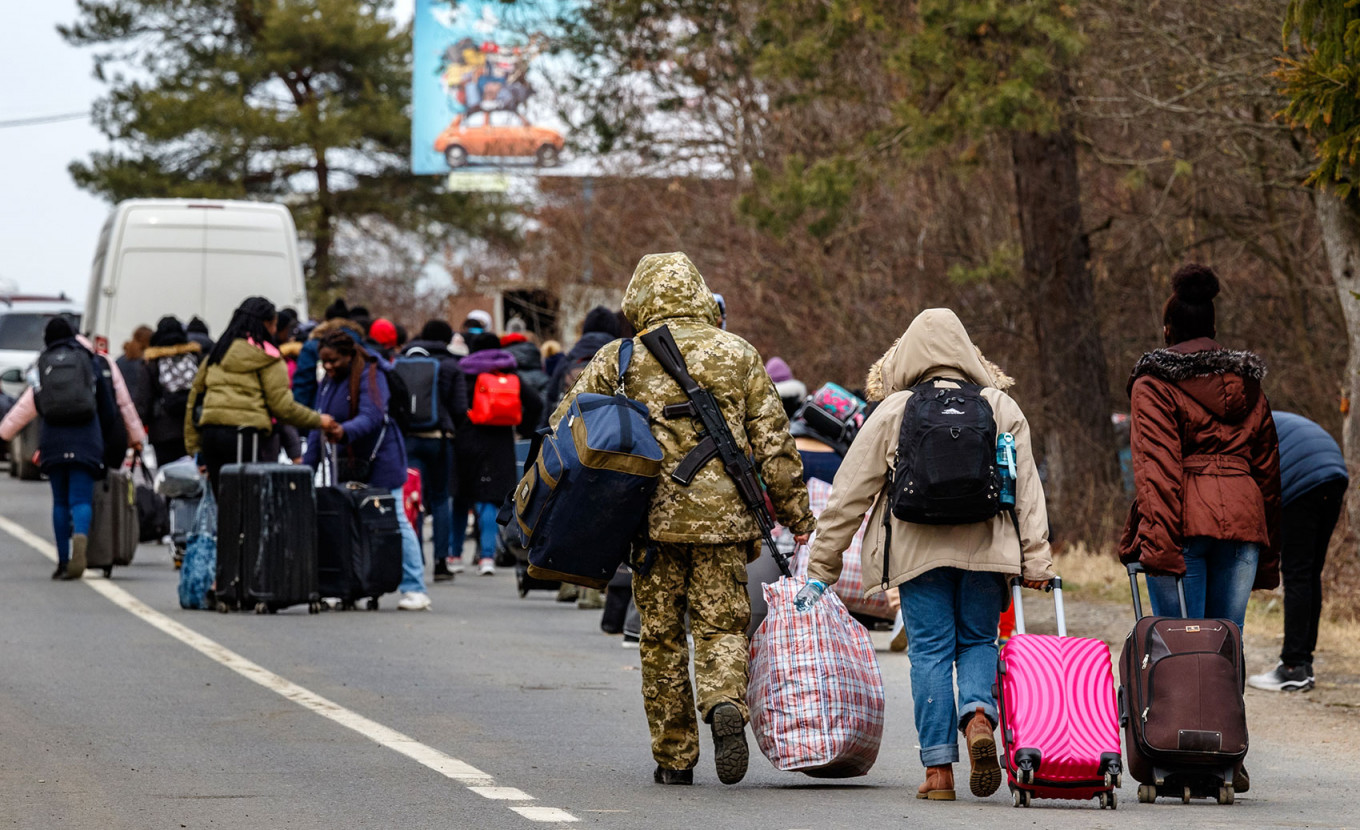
1180	702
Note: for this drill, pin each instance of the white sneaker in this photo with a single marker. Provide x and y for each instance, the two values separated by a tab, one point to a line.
414	601
456	565
487	568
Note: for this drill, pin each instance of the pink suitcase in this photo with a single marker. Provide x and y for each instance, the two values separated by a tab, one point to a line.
1059	721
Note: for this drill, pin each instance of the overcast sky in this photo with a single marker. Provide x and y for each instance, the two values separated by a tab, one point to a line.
48	226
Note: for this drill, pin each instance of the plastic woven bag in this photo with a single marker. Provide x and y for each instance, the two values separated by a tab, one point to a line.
816	696
179	479
199	570
850	586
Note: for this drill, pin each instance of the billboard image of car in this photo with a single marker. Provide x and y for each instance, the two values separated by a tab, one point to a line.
476	91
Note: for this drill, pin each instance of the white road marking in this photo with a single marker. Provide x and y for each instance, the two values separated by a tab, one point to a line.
475	780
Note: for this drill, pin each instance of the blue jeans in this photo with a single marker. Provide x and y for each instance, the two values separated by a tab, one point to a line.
1218	579
412	559
951	617
487	528
72	504
433	457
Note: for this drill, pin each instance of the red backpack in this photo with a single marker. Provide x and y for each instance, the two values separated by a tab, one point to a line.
495	400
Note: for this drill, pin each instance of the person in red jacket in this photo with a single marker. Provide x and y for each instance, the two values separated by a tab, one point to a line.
1206	464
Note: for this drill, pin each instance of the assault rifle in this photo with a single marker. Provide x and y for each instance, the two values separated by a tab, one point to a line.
717	440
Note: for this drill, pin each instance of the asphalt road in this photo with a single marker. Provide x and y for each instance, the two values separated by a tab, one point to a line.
107	721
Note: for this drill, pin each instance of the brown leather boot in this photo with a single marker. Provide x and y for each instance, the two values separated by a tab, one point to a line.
939	785
985	778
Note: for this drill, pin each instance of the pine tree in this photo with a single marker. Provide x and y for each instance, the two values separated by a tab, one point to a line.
300	101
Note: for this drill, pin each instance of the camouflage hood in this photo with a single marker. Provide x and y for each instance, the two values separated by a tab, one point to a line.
666	288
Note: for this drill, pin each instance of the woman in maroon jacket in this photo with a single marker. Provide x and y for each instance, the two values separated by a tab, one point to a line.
1206	464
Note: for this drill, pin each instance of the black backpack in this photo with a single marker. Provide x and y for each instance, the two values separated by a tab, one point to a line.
66	392
399	401
420	374
946	458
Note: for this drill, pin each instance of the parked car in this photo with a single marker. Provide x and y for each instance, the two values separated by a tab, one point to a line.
502	134
189	257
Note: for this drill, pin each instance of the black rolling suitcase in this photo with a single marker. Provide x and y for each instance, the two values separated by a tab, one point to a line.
1180	703
114	523
266	538
358	543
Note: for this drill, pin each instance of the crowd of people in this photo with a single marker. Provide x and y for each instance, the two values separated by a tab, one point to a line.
1205	455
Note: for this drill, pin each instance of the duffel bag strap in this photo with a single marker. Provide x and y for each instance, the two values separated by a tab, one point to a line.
625	359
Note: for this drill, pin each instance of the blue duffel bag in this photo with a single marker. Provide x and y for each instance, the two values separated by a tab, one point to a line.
583	503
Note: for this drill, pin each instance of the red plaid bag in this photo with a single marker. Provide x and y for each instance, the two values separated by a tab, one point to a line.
816	697
850	587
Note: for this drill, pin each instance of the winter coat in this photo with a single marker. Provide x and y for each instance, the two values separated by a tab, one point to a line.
1206	458
577	358
487	468
168	407
935	345
305	374
1309	457
363	430
136	432
666	289
249	388
453	385
530	362
81	445
138	379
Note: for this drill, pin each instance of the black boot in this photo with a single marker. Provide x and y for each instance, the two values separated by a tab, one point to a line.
60	572
683	777
729	742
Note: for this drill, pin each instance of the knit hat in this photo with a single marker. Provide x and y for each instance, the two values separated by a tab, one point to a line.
778	370
438	331
337	309
58	328
169	332
1189	311
482	342
383	333
196	325
482	318
602	320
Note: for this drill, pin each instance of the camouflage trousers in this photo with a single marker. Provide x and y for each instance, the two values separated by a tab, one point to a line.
709	583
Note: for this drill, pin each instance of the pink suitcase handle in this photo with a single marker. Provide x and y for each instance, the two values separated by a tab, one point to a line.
1054	585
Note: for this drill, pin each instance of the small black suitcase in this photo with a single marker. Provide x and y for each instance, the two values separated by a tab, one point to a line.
266	538
358	543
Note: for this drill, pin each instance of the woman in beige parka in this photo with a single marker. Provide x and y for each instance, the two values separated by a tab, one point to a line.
952	578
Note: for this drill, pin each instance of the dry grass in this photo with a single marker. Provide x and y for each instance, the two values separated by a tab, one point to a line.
1100	576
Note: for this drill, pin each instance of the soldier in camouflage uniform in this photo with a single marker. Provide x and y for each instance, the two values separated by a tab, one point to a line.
702	534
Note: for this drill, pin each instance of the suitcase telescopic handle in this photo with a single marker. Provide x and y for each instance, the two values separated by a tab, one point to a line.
1054	585
1136	568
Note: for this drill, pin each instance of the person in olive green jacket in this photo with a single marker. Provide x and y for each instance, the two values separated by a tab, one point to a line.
240	390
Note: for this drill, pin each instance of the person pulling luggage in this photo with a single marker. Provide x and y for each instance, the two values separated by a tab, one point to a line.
83	433
240	388
949	558
699	536
354	396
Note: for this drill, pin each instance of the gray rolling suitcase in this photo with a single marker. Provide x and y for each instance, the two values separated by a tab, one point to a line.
115	525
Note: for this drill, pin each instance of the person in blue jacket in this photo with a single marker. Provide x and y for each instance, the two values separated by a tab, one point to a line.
304	373
1313	482
370	446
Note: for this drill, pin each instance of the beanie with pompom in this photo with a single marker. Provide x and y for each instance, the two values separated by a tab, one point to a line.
1189	311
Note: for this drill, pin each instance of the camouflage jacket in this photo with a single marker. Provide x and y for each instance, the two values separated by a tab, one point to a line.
667	289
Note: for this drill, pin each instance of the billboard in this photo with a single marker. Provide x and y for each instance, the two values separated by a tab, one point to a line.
480	103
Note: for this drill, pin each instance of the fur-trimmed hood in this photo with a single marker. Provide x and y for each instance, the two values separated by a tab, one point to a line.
290	350
325	329
873	383
154	352
1226	382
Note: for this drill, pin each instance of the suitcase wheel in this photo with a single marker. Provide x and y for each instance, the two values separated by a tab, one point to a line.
108	572
222	607
1225	794
1108	800
314	607
372	604
1185	795
1021	798
1147	794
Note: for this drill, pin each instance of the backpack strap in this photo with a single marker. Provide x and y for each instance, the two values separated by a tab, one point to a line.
625	360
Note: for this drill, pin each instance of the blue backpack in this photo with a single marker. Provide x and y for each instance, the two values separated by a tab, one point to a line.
582	504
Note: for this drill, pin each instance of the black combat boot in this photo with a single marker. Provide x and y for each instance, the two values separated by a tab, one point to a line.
683	777
729	743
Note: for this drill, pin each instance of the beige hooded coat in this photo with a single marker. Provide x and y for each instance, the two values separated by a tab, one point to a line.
934	346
